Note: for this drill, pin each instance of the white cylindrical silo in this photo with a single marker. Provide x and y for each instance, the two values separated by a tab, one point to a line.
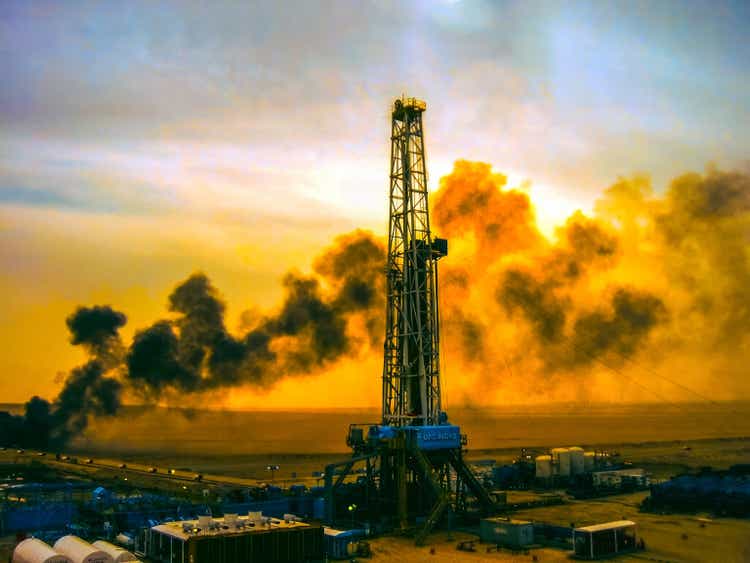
33	550
117	553
543	466
576	461
81	551
561	460
589	459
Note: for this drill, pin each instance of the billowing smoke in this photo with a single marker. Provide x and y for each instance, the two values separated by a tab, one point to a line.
87	392
90	390
470	206
520	292
618	330
97	330
95	326
334	313
648	284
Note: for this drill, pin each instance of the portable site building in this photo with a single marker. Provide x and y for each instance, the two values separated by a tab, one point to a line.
620	477
604	540
337	542
33	550
236	540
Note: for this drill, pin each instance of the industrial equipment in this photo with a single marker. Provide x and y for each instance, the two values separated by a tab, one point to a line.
414	466
506	532
233	539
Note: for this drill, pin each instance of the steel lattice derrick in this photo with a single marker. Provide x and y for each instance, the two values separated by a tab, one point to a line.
411	368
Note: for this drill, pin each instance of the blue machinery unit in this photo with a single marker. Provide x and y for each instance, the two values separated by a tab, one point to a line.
439	437
413	467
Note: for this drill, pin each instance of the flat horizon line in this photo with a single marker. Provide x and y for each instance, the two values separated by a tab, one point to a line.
460	407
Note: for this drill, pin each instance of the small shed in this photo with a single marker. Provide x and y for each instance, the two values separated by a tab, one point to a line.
81	551
604	540
507	532
33	550
337	542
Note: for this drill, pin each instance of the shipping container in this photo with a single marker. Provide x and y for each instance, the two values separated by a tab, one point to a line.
507	532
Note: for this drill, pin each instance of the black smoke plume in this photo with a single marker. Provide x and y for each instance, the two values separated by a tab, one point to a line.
94	326
88	391
312	328
323	317
618	330
522	312
536	301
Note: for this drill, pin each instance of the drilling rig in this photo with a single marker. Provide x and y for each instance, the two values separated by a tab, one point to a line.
413	467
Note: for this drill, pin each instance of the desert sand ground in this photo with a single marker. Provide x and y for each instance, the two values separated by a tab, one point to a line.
441	548
666	441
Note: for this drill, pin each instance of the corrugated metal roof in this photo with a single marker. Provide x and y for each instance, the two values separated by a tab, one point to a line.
511	521
175	529
607	526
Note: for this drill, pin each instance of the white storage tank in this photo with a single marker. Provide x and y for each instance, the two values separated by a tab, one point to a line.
33	550
543	466
204	522
577	464
561	461
81	551
116	552
589	461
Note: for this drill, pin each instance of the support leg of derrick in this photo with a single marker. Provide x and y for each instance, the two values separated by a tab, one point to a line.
403	509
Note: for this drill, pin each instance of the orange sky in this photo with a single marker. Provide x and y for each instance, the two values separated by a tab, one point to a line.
141	143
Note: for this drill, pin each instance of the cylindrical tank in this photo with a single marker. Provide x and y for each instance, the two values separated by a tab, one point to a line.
204	522
561	460
116	552
589	459
33	550
81	551
543	466
576	460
